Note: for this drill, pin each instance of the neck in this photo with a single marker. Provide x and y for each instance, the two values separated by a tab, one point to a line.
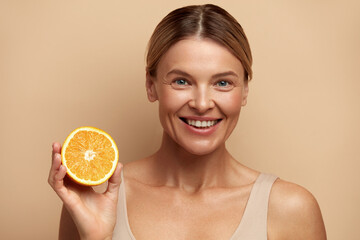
190	172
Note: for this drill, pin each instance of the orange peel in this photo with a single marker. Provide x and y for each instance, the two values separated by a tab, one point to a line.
90	156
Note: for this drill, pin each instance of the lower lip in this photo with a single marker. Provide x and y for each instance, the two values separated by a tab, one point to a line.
202	131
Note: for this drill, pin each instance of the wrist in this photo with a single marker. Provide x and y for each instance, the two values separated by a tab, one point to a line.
96	238
107	238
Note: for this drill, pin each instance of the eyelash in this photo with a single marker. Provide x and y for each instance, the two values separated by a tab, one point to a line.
184	82
180	82
223	81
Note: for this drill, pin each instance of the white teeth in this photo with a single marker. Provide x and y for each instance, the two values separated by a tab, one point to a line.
201	124
198	123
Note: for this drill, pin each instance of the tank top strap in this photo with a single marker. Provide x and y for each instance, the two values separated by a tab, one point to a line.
122	229
253	225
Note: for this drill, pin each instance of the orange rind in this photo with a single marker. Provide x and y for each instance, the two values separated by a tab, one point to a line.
90	156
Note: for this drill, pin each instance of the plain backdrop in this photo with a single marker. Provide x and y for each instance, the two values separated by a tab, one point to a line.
65	64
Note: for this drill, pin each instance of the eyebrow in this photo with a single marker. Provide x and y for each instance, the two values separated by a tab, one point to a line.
218	75
177	71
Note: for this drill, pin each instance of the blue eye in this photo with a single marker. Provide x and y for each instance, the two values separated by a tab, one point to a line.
181	82
222	83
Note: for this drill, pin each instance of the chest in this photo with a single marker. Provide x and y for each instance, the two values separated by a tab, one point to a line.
164	213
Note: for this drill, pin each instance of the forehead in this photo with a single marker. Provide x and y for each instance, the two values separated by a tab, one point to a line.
199	56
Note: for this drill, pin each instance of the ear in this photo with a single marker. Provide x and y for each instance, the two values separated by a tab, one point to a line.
245	93
150	88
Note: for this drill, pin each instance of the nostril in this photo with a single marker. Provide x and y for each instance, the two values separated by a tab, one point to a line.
201	104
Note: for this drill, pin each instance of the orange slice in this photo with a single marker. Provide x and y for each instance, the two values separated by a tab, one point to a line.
90	156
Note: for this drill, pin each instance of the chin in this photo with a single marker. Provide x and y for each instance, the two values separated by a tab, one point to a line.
200	149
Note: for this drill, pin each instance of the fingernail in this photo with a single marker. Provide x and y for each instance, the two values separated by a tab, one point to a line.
62	167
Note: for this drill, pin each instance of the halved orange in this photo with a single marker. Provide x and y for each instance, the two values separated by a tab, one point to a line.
90	156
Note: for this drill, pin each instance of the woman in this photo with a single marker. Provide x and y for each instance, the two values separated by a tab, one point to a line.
198	68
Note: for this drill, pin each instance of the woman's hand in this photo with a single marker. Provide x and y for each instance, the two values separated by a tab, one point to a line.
94	214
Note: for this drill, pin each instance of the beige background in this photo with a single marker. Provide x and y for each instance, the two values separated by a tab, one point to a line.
65	64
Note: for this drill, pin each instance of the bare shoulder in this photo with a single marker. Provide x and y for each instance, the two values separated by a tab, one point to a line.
294	213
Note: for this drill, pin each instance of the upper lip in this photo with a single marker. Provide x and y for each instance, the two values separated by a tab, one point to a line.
200	118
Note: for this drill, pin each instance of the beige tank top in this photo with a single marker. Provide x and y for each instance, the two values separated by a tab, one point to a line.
253	225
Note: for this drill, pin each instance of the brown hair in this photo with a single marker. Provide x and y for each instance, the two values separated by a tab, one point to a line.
204	21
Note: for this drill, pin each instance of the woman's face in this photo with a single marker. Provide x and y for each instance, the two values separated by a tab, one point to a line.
200	88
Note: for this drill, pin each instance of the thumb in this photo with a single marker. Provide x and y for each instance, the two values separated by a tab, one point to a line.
114	181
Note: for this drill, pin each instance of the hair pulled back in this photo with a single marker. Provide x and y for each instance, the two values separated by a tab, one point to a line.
204	21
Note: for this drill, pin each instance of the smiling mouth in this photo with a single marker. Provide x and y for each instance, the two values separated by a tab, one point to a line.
200	124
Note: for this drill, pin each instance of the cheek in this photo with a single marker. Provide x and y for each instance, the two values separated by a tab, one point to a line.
171	101
230	103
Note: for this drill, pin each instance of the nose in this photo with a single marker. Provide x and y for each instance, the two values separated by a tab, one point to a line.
202	99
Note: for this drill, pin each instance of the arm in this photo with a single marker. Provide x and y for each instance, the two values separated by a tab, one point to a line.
68	228
294	213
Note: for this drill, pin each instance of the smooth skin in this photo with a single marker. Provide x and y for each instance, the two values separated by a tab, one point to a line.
191	188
